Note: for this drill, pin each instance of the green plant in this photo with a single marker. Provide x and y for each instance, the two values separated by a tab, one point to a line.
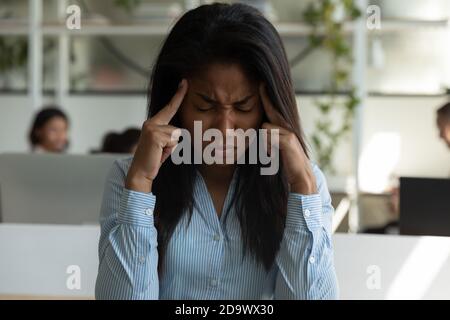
13	53
128	5
327	33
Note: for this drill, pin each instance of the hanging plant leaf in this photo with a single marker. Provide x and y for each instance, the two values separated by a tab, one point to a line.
328	34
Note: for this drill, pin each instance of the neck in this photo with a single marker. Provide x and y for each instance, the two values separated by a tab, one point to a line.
217	175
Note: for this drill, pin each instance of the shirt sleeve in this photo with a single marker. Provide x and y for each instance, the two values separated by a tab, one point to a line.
128	256
305	260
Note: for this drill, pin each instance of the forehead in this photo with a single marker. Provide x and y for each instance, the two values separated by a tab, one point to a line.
225	83
56	121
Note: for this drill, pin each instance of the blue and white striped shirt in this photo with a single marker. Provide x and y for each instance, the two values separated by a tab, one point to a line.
200	262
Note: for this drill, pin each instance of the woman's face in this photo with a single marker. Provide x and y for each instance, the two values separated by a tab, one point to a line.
444	129
53	135
222	97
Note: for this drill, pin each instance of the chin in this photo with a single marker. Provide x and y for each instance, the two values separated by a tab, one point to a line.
224	165
58	149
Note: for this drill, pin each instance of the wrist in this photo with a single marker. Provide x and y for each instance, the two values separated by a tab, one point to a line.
305	188
138	183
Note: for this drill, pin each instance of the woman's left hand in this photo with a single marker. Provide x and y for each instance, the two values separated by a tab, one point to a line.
297	167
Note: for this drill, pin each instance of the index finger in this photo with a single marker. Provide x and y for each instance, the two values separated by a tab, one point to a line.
166	114
272	114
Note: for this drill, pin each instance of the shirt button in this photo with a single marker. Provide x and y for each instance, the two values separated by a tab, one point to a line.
214	282
307	213
148	212
312	259
141	259
216	237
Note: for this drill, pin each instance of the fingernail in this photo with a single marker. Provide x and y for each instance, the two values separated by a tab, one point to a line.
176	134
181	83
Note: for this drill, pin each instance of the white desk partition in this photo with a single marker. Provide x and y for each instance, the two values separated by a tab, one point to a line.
52	188
392	266
35	261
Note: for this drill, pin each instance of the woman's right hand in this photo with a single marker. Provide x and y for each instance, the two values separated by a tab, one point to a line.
155	145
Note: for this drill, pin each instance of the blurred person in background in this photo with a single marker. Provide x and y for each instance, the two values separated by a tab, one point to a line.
130	139
125	142
443	123
49	131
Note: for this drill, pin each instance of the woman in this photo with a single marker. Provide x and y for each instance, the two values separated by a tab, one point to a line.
218	231
49	131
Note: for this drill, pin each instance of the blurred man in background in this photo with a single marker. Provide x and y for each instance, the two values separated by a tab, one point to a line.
443	123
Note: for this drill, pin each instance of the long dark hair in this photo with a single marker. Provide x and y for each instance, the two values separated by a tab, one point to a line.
238	34
40	120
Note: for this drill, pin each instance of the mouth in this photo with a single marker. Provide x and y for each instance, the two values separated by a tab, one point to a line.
224	150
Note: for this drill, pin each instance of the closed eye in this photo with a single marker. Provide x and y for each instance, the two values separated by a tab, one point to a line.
242	108
204	109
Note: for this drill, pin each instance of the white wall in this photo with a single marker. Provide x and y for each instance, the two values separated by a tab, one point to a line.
422	152
412	119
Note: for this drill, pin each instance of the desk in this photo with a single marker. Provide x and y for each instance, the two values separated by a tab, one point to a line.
35	258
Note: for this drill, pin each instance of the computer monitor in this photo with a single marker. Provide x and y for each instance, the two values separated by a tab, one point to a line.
424	206
53	188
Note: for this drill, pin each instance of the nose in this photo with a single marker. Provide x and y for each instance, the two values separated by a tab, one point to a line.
224	120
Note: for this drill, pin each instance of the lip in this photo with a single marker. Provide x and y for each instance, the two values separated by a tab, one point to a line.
224	151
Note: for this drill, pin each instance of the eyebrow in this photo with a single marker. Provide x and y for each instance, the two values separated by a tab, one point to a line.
212	101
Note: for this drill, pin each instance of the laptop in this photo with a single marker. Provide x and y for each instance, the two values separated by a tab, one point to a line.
424	206
53	188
